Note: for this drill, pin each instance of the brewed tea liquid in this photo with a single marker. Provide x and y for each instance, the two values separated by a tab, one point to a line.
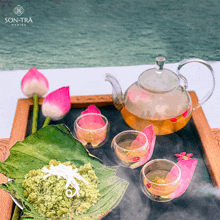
168	111
161	186
129	152
94	136
161	127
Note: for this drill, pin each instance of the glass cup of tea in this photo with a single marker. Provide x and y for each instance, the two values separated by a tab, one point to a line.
159	179
91	129
129	147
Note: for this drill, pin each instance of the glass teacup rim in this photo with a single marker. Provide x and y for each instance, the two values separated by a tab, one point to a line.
134	131
79	117
161	184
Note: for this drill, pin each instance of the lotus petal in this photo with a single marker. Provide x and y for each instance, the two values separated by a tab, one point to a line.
187	168
93	121
149	132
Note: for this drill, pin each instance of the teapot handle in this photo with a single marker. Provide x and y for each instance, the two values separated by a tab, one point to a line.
209	94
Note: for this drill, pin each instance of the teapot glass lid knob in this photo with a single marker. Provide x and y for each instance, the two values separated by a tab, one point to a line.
160	62
159	79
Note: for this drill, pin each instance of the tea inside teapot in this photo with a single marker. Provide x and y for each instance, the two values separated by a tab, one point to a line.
168	112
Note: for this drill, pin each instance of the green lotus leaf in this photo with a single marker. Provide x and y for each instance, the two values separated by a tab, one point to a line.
55	142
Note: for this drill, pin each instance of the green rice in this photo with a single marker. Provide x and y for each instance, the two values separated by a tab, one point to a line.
49	195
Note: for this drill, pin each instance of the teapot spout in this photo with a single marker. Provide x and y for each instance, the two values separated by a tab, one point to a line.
117	95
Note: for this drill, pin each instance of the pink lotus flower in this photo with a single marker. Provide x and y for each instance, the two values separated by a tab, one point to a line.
183	156
187	166
34	82
56	104
149	132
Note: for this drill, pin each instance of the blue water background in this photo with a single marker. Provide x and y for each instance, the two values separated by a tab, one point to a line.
96	33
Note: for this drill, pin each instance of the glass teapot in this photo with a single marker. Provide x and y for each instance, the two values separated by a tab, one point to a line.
159	97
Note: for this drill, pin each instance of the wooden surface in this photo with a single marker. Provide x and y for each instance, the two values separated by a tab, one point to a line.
211	149
210	138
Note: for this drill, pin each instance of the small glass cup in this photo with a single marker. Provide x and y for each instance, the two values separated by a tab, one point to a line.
159	179
129	147
91	129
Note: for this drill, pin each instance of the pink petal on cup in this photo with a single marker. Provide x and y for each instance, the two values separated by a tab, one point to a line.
57	104
149	132
91	109
34	82
94	120
187	168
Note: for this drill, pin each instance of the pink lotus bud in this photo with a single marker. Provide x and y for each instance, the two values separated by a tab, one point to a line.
149	132
34	82
57	104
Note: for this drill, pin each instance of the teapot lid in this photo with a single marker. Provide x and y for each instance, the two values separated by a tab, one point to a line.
159	79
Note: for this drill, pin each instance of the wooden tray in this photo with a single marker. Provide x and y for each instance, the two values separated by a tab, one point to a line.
211	150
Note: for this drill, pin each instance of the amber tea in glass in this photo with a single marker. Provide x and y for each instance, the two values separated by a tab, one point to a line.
159	179
129	147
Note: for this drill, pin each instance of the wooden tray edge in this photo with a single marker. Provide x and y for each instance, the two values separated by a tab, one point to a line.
211	150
